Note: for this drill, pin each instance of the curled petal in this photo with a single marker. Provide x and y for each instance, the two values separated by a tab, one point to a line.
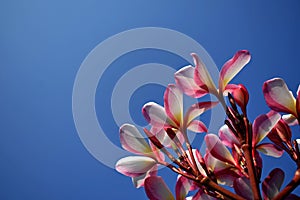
202	76
227	137
156	189
239	93
197	109
242	187
155	114
133	141
197	126
218	149
182	188
135	166
272	183
173	101
232	67
278	96
270	150
185	80
263	124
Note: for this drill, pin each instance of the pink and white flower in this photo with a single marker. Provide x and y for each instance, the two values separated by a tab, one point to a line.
281	99
197	82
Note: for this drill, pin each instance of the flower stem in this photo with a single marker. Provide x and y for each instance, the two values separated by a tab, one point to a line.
211	184
247	148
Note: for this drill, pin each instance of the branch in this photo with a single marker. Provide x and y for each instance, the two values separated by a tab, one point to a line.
247	148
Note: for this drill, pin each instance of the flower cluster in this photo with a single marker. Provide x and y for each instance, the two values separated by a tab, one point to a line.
232	158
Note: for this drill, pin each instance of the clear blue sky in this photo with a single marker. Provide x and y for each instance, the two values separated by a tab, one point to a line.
42	45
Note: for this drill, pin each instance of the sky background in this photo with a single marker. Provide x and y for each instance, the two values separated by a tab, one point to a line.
42	45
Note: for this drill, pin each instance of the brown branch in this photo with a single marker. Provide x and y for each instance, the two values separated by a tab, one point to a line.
247	148
212	185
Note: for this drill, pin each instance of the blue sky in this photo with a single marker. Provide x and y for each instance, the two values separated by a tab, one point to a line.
42	45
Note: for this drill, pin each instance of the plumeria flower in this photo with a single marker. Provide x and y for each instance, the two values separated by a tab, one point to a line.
281	99
171	115
144	164
219	160
197	82
262	125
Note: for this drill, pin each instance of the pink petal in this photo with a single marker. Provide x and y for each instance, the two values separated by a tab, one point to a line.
155	114
290	119
202	76
173	101
197	109
200	195
263	124
133	141
139	180
227	176
185	80
134	166
242	187
239	93
270	150
232	67
182	188
227	137
218	149
271	185
278	96
197	126
156	189
283	131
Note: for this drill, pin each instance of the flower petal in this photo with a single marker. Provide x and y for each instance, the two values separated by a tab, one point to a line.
133	141
232	67
173	102
139	180
197	126
202	76
278	96
185	80
227	137
290	119
182	187
226	176
218	149
134	166
263	124
197	109
270	150
242	187
156	189
155	114
239	93
272	183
